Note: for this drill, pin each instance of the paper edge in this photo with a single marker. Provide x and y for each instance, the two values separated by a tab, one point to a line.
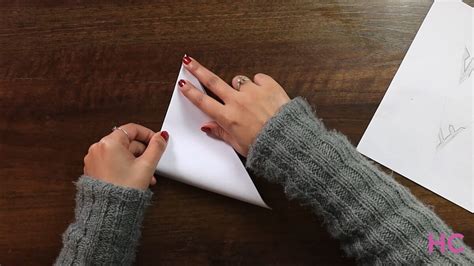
261	203
361	146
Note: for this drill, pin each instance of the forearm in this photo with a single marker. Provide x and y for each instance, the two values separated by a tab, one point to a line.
377	220
107	224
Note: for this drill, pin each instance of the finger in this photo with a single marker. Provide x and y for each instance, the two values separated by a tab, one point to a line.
118	135
136	148
155	149
204	102
85	163
208	78
134	132
215	130
241	81
261	79
92	147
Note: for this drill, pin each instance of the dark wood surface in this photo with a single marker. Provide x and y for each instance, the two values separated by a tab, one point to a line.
70	71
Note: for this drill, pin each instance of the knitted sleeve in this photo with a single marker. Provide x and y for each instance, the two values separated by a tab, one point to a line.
107	224
377	220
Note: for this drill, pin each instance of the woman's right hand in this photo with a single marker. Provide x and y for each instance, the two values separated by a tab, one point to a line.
248	104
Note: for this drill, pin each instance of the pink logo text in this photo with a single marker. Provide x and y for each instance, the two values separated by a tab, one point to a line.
441	243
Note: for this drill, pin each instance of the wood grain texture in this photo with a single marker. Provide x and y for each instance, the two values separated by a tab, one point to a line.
70	70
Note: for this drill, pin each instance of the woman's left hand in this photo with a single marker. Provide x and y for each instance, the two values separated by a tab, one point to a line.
122	157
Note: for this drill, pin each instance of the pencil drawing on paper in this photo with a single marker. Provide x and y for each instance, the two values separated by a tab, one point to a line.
445	135
467	65
452	133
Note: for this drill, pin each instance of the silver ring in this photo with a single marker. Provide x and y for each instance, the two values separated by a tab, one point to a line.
240	81
123	130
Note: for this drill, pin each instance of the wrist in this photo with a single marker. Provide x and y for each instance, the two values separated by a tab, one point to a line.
282	135
96	198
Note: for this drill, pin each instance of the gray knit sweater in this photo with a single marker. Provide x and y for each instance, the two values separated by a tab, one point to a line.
377	220
107	224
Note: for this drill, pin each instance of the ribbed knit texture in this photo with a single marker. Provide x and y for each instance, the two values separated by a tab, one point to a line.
377	220
107	224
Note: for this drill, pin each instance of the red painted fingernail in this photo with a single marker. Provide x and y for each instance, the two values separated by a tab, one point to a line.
186	59
181	82
164	135
206	129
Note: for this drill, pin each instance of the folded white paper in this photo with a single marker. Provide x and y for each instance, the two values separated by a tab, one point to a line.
423	127
196	159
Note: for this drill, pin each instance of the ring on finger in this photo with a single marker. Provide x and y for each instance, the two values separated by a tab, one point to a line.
123	130
240	81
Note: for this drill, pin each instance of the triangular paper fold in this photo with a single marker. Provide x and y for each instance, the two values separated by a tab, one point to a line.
196	159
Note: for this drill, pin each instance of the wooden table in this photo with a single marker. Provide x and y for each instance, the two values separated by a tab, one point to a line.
70	71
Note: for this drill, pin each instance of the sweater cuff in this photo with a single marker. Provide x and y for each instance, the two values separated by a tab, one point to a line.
109	209
283	131
107	223
102	192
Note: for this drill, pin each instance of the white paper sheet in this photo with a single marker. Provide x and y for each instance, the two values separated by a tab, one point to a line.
196	159
423	126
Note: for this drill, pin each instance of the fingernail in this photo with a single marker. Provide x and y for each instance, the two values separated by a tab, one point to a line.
164	135
186	59
206	129
181	82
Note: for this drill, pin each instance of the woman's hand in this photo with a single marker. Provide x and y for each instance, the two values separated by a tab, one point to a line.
121	158
248	104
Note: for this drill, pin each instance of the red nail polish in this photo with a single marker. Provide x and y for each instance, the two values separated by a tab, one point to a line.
181	82
186	59
206	129
164	135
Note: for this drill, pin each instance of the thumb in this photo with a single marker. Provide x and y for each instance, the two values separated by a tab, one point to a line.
215	130
156	147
